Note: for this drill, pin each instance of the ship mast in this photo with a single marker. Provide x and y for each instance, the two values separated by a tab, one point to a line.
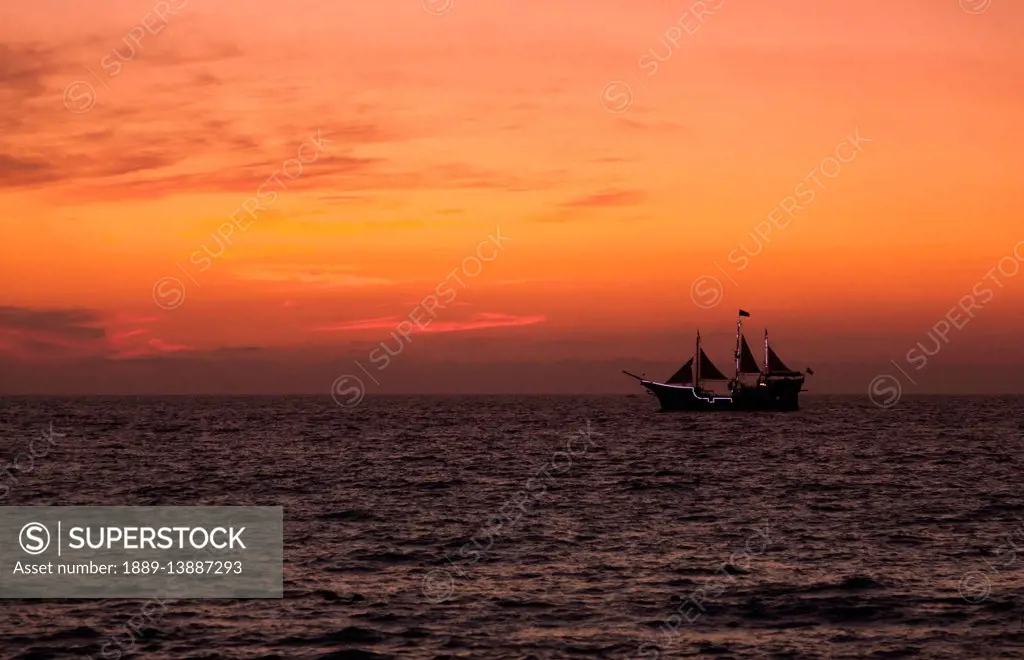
739	329
766	351
696	364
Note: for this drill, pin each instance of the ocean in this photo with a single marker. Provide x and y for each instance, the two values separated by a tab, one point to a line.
551	527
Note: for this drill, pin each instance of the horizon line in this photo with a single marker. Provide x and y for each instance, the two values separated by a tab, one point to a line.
466	394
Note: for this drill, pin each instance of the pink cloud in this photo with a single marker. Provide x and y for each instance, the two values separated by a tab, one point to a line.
484	320
479	321
164	347
607	198
362	324
122	317
320	276
117	337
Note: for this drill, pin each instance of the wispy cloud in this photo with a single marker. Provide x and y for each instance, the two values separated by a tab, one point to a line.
57	324
45	334
480	321
121	335
607	198
362	324
167	347
311	275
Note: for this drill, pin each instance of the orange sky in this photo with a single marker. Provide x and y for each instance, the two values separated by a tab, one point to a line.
441	122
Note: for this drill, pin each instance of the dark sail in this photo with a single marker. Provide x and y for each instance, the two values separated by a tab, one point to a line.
708	371
684	376
775	365
748	365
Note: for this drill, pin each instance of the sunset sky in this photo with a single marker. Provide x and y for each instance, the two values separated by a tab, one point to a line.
626	162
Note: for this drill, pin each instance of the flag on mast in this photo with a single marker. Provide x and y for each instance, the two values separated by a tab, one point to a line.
744	313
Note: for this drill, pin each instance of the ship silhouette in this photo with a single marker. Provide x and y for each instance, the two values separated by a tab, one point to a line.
773	387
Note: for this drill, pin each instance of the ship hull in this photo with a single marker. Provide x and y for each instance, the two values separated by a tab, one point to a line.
782	394
685	398
767	395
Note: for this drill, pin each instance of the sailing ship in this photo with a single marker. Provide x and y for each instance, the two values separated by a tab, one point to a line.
773	387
